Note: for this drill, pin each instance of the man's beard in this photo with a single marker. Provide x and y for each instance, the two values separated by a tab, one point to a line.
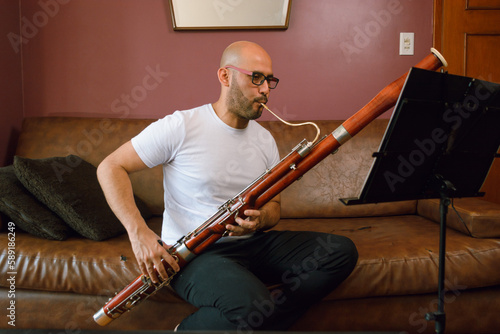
242	107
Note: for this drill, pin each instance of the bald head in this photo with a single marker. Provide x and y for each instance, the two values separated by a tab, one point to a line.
244	54
240	98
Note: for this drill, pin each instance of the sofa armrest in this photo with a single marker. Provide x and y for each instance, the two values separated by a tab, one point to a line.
473	216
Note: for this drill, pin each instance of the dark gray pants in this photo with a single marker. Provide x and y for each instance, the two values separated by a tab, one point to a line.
226	282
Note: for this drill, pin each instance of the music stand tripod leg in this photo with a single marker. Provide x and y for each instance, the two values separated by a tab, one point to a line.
444	188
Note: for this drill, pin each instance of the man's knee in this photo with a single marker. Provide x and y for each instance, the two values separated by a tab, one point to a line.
350	253
338	252
252	312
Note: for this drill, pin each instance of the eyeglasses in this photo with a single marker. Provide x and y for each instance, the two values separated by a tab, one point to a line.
257	77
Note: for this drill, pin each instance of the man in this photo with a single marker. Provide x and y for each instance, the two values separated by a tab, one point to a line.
209	154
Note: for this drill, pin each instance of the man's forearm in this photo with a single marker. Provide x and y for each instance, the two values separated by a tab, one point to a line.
113	175
117	188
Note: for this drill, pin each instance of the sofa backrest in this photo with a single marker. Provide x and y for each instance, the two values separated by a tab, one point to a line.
315	195
340	175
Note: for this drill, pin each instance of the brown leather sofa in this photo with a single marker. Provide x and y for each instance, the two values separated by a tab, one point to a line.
61	284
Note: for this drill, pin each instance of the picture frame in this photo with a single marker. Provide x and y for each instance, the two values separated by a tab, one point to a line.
230	14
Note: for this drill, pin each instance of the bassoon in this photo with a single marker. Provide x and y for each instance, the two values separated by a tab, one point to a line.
300	160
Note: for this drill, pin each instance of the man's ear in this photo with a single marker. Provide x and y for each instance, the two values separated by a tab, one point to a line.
223	74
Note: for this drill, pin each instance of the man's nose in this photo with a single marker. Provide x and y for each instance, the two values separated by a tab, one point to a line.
264	88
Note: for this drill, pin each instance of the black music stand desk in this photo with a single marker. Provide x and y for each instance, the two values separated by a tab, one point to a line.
441	140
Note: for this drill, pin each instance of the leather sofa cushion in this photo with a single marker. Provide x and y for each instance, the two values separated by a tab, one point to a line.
398	255
474	217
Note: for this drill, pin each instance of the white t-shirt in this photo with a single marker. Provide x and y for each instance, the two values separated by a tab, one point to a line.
205	163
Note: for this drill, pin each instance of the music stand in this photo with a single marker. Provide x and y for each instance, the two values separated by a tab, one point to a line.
440	143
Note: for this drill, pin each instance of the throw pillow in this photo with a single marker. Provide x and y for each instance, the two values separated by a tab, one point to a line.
69	187
26	211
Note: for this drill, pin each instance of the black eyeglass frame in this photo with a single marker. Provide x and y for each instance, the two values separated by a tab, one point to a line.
272	81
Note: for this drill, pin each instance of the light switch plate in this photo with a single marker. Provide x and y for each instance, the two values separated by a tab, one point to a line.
406	43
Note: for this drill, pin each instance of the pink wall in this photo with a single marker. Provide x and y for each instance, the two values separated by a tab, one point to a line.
91	52
11	100
92	57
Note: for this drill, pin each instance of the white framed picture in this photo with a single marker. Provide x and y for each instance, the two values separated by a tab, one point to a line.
230	14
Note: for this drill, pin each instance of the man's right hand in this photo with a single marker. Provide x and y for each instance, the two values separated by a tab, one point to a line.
113	174
149	253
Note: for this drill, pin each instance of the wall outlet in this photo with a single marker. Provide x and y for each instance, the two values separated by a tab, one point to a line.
406	43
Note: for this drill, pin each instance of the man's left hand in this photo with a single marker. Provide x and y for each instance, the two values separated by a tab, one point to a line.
246	226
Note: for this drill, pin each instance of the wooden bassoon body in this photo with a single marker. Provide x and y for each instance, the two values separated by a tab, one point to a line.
272	182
